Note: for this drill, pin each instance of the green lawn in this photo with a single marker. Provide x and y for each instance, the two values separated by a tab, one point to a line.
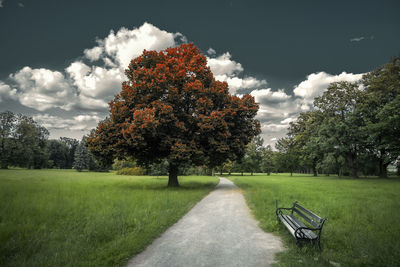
363	226
66	218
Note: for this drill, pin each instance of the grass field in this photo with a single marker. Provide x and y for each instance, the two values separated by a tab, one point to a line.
363	217
66	218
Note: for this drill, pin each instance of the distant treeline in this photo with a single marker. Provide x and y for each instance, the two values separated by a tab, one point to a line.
24	143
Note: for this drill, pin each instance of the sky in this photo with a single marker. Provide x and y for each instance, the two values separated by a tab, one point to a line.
61	62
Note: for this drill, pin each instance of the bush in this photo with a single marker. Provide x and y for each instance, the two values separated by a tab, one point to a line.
120	164
131	171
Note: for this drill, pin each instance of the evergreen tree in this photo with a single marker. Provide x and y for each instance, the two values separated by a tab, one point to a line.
82	157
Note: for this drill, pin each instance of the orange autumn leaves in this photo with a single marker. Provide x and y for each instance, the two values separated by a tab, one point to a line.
172	107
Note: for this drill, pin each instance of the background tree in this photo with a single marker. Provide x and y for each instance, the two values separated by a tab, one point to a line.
71	145
172	107
82	157
31	141
340	127
381	112
355	127
239	166
288	155
253	157
267	160
57	152
7	144
305	132
227	167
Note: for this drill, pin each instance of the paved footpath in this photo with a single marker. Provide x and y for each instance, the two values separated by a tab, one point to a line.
218	231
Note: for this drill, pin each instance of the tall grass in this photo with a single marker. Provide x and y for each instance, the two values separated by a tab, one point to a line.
65	218
363	217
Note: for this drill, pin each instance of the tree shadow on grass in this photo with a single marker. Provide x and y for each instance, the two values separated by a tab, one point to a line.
184	186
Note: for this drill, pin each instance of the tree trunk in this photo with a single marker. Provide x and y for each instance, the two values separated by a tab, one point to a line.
382	165
314	167
3	161
398	167
173	175
351	159
337	167
383	173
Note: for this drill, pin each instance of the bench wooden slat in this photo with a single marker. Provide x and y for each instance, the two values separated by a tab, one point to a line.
305	217
292	224
310	234
309	213
287	224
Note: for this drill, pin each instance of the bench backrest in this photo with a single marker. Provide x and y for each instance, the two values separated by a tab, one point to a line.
307	215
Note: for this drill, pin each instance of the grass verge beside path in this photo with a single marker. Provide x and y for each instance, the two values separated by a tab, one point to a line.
363	226
66	218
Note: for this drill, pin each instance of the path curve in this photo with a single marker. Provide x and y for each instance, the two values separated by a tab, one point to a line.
218	231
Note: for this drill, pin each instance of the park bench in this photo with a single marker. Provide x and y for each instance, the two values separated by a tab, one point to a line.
290	217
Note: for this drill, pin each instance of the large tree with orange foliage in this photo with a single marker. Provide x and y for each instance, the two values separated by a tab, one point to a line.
172	107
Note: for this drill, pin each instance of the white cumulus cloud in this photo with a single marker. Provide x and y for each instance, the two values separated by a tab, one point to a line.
76	123
317	83
223	65
269	96
95	81
6	92
42	89
125	44
227	70
94	53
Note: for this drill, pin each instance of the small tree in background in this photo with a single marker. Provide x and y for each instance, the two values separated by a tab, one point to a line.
71	145
171	107
267	160
82	157
8	125
253	158
58	153
288	155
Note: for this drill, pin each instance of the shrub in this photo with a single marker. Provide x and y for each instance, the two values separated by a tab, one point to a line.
120	164
131	171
